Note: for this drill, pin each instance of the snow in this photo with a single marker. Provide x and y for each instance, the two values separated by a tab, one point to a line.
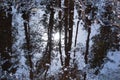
36	25
47	64
55	66
17	23
56	36
81	41
110	70
94	31
65	69
114	64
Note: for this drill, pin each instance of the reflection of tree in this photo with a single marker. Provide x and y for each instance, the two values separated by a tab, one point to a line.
28	44
60	31
50	33
44	63
6	41
90	11
68	27
34	43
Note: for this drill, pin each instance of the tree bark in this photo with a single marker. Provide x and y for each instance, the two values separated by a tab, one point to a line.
50	32
60	29
68	24
27	34
6	40
87	46
76	39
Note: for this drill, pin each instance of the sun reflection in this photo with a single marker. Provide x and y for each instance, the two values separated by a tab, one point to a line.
55	37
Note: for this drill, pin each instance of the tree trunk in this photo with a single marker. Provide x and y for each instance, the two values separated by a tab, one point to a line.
49	44
76	39
66	32
87	46
68	15
60	28
6	40
27	34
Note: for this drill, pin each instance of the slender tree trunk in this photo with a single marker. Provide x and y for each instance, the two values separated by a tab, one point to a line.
60	28
50	32
66	32
76	33
27	34
68	15
76	39
71	18
87	46
88	23
49	44
87	50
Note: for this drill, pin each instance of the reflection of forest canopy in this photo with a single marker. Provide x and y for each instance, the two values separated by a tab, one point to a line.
59	16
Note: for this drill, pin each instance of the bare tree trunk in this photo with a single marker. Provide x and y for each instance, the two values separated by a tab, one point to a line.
50	32
88	27
76	38
66	32
27	34
66	27
60	28
76	33
87	45
68	15
6	40
71	18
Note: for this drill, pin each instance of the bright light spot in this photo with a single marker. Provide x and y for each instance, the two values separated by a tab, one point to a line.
56	36
45	37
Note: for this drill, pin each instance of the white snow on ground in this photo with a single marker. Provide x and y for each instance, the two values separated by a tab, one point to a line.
114	62
55	65
81	41
36	25
18	28
37	28
111	69
81	38
82	34
94	31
